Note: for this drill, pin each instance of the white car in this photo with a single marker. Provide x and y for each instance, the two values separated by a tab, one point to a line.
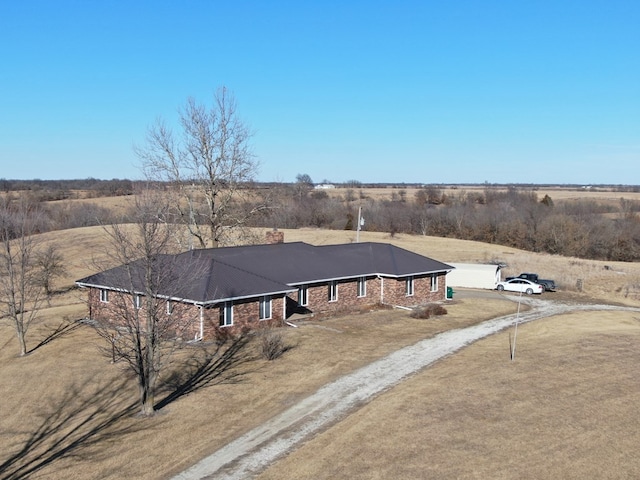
520	285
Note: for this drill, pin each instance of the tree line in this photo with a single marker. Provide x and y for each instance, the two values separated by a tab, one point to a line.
49	190
513	217
220	212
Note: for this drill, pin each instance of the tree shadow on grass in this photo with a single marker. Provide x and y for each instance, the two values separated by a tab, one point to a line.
76	425
86	418
207	368
61	330
8	340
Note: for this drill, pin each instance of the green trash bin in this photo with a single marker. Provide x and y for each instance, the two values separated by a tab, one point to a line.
449	293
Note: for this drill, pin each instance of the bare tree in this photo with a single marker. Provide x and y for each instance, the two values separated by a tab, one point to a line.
141	329
20	291
208	166
50	263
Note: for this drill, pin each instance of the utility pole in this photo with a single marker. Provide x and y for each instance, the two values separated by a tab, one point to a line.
515	333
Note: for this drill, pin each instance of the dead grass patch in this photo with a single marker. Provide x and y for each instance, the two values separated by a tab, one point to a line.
556	193
197	423
565	408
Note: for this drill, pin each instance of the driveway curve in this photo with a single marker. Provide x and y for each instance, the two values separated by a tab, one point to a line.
255	450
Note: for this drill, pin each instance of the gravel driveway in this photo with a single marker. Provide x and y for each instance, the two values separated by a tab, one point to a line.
255	450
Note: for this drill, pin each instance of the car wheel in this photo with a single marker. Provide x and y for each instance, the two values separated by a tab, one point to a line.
529	291
500	288
544	288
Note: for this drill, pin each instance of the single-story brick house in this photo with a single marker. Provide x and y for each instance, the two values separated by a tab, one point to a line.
244	286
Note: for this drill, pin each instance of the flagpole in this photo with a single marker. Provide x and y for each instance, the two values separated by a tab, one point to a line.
359	223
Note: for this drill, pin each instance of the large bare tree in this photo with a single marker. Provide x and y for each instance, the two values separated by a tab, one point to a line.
207	165
141	331
21	292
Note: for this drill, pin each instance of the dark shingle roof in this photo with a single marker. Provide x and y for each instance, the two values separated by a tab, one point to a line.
211	275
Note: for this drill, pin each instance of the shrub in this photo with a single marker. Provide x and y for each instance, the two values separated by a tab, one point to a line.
272	344
428	311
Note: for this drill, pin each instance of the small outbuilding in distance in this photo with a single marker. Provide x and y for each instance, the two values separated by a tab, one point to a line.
474	275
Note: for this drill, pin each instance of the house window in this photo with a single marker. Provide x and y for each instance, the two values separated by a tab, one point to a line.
408	288
333	291
265	307
137	301
434	283
104	296
362	287
169	307
226	314
303	299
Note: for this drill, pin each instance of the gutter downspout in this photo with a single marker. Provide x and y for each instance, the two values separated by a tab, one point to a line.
381	289
201	336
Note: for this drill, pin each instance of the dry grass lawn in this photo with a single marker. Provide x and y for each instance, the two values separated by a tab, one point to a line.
565	408
68	386
67	380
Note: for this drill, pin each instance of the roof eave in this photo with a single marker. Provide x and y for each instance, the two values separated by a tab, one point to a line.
245	297
370	274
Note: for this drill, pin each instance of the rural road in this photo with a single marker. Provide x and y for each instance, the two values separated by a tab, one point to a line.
254	451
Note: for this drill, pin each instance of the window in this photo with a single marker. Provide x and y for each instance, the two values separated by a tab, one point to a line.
408	289
226	314
104	296
434	283
362	287
303	299
169	307
265	307
137	301
333	291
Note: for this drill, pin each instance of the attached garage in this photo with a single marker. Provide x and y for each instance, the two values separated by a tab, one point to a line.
474	275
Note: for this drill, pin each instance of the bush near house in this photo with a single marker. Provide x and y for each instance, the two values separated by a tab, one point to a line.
428	311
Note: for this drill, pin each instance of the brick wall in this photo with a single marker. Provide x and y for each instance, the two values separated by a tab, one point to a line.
318	296
246	315
275	236
187	316
395	291
183	321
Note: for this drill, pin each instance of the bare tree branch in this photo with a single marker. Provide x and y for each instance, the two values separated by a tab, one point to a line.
20	287
208	167
138	326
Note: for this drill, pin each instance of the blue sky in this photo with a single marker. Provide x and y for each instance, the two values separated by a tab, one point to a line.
403	91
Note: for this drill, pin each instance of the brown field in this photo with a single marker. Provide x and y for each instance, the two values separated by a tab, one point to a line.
600	194
568	398
565	408
118	205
